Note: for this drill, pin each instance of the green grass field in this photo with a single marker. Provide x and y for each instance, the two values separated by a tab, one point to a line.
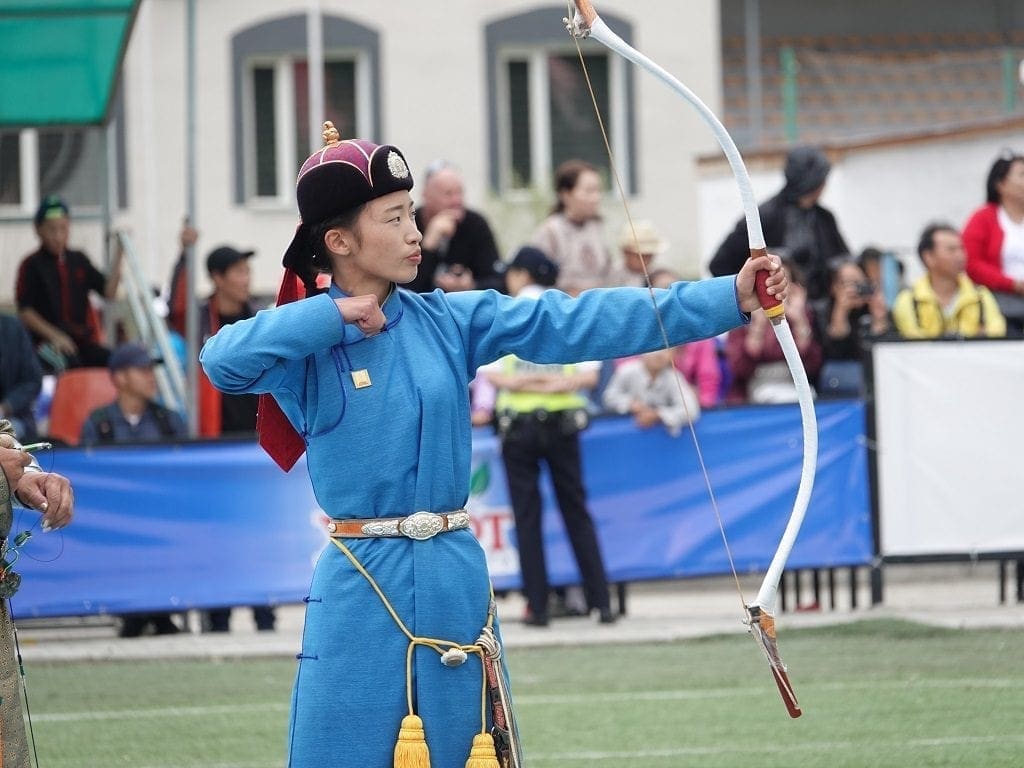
874	693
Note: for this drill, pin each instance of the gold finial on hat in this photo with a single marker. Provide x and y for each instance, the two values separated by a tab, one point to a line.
330	134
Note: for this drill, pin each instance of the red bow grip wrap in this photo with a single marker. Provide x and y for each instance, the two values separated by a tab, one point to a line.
771	305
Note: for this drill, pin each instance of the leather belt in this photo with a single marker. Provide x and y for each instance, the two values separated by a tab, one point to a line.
419	525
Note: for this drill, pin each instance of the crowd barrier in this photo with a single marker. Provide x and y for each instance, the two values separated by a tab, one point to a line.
193	525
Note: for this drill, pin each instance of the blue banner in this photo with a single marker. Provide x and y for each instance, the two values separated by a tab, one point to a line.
205	524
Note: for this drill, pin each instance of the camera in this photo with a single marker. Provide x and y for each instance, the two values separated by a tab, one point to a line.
865	289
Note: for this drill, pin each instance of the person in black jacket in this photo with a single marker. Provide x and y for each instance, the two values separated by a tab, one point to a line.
21	377
459	250
794	224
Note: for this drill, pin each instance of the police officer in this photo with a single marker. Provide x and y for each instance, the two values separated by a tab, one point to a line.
540	411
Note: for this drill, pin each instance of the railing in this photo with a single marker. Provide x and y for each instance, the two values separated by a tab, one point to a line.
151	328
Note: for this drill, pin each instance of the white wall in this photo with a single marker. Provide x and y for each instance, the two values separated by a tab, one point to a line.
434	104
882	196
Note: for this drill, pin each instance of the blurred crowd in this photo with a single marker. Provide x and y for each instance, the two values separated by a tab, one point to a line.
971	285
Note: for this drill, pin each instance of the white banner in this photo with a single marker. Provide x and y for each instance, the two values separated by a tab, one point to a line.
950	430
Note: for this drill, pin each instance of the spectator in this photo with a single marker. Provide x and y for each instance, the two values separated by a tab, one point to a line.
21	377
179	291
572	236
224	415
22	483
653	391
994	239
540	412
794	224
944	302
884	270
759	370
851	316
640	244
220	414
134	417
52	294
458	248
700	361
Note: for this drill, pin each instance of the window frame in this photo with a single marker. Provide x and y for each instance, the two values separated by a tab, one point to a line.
279	43
286	161
526	37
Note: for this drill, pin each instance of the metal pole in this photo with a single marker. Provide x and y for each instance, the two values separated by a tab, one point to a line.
315	72
109	323
787	59
755	94
191	308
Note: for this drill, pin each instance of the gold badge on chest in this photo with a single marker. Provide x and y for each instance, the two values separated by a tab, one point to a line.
361	379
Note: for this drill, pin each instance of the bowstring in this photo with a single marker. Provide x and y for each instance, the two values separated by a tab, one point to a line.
613	167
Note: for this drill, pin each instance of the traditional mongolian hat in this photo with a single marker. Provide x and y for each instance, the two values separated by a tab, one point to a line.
334	180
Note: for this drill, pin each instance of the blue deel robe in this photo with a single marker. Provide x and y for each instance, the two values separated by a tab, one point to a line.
402	445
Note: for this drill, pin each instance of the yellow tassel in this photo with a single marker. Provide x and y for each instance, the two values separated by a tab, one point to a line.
483	755
411	749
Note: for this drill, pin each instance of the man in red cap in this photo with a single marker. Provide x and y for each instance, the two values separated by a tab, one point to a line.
372	383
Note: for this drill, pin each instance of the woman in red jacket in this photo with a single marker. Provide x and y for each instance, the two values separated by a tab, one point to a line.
994	239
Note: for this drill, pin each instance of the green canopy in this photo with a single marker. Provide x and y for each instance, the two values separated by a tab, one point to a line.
60	59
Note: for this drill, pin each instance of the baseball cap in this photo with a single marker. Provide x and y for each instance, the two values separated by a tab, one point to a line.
131	354
223	257
51	207
542	269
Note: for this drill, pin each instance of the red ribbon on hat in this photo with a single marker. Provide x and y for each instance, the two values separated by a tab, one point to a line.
277	436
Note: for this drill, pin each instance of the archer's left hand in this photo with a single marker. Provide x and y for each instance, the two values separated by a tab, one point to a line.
51	494
777	282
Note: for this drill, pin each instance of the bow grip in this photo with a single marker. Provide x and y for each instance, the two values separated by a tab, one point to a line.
771	305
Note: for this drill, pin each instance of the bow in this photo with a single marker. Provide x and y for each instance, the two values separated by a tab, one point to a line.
760	613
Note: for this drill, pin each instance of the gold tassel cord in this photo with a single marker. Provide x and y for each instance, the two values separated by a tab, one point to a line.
483	754
411	749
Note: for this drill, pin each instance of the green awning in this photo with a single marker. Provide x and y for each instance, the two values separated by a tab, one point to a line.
60	59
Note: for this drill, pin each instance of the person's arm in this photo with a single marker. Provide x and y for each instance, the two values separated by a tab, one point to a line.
267	353
731	254
40	326
984	264
708	372
995	323
112	280
484	255
904	316
681	406
604	323
618	395
28	375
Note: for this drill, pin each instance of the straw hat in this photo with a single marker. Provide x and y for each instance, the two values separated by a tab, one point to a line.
647	240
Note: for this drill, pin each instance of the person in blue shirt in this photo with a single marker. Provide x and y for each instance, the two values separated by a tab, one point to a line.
372	383
135	417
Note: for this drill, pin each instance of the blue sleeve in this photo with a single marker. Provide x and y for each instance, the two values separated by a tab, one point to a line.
599	324
266	353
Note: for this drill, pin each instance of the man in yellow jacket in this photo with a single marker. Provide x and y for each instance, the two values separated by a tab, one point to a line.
944	302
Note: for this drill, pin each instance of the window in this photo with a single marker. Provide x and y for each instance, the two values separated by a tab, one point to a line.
37	162
272	71
542	112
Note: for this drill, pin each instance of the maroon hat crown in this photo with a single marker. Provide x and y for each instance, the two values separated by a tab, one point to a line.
339	177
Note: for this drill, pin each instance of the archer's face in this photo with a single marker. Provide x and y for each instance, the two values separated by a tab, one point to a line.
385	242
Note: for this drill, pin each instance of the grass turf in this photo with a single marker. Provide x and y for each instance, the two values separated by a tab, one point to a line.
874	693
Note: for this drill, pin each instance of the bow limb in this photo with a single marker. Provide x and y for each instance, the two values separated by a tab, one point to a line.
586	22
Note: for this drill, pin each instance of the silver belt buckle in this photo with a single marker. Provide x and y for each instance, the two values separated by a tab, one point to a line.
421	525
